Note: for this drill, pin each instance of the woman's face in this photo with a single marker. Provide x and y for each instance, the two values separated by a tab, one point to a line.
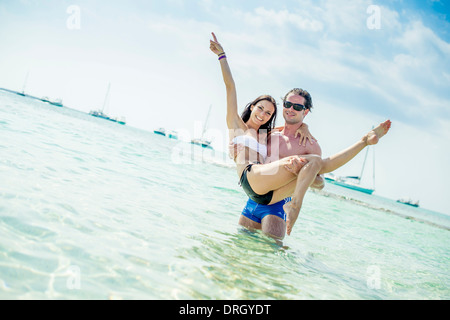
262	111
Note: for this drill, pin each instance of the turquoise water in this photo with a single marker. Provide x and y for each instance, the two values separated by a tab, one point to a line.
91	209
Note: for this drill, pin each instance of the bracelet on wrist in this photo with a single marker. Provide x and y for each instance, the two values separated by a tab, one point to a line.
222	57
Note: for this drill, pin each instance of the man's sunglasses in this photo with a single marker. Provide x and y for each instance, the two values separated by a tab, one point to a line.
297	107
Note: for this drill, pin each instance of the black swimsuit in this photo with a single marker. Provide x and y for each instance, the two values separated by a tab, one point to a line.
261	199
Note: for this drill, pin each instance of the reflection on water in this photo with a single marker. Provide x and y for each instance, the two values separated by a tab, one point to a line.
243	265
250	265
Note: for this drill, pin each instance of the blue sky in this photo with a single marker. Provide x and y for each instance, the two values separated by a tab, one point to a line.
156	56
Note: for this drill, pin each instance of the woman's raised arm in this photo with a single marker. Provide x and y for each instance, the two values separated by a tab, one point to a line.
234	121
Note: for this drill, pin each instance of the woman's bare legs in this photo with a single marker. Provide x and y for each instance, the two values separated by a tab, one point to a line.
315	165
264	178
305	178
339	159
274	176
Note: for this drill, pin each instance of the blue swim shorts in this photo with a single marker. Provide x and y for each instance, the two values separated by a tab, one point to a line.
256	212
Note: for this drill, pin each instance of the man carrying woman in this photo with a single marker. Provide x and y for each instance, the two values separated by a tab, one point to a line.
269	181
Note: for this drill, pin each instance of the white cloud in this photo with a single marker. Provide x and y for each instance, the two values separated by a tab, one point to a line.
404	64
345	17
262	17
422	41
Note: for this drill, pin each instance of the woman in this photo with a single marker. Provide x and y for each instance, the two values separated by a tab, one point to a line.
268	183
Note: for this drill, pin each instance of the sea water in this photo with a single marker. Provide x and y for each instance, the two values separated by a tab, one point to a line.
91	209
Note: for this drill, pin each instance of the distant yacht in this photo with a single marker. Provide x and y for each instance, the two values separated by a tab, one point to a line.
205	143
103	115
173	135
202	142
57	102
409	202
160	131
100	114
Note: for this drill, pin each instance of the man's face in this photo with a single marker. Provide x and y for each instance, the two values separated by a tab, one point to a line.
292	116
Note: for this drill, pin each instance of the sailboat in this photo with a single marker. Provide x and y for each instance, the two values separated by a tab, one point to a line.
202	141
24	85
353	182
57	102
102	114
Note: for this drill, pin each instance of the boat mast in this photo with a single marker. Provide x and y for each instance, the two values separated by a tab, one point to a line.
105	103
373	170
25	82
205	126
364	164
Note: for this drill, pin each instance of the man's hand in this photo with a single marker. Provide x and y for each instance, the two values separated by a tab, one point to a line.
305	135
295	164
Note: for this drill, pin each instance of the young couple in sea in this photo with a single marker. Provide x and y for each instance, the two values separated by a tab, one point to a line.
275	165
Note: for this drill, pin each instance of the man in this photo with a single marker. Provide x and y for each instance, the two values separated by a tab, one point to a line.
271	219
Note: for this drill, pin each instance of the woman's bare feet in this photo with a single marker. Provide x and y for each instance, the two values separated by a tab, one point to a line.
292	210
377	133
